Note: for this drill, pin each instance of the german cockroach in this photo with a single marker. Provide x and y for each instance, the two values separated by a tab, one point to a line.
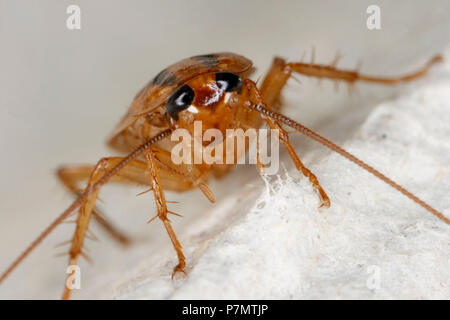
216	90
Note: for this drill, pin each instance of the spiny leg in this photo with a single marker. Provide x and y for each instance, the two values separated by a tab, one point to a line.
70	176
284	138
134	171
161	206
281	71
274	82
271	88
351	76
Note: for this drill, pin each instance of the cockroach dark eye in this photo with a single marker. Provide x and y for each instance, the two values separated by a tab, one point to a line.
228	81
179	100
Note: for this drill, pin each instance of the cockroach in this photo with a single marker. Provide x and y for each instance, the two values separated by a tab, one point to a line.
216	90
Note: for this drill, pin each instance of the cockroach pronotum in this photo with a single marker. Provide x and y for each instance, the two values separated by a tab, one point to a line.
216	90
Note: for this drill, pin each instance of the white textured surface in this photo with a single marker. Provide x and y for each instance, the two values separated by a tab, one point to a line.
283	247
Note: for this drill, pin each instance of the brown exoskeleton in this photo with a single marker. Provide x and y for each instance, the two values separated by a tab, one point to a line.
216	90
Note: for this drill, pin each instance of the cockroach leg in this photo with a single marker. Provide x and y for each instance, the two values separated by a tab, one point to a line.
284	138
84	216
129	172
274	82
70	176
133	171
270	89
280	71
350	76
161	205
259	158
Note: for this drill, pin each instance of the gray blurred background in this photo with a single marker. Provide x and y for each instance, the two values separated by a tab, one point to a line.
63	91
